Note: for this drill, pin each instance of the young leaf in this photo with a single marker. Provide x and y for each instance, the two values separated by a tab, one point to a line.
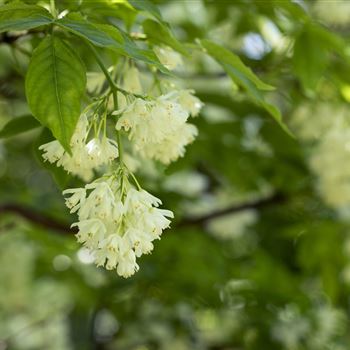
244	77
55	83
108	36
19	125
19	16
160	34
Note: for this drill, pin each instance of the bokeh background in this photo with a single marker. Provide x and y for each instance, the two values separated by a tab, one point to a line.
258	256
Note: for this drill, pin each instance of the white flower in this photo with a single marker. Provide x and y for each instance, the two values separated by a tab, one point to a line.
91	232
117	226
190	102
77	197
173	147
158	129
168	57
135	199
127	265
85	157
140	241
155	221
53	151
101	151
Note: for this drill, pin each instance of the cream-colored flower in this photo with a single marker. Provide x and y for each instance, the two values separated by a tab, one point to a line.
117	226
86	155
158	128
168	57
189	102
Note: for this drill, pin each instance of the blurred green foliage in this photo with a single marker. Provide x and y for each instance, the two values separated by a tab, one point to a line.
276	277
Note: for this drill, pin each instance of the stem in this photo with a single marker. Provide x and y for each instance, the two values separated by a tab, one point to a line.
103	67
112	84
114	89
119	141
135	180
53	8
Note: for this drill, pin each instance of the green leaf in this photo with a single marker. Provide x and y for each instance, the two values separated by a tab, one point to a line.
105	35
18	16
244	77
55	84
310	57
19	125
98	36
147	6
242	73
160	34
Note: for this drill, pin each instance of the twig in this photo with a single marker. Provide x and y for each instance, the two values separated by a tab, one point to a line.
258	204
50	223
37	218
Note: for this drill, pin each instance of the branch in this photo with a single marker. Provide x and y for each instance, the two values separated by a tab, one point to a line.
48	222
37	218
258	204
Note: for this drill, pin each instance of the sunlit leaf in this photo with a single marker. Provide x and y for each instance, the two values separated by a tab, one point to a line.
18	16
108	36
244	77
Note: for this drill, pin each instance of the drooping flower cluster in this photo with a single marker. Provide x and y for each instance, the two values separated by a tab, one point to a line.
86	156
319	327
117	222
328	160
158	128
329	151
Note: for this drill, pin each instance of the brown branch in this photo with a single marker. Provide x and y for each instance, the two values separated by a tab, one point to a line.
48	222
36	217
258	204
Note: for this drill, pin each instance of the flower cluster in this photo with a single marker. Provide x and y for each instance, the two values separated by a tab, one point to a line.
318	327
158	128
330	150
86	155
327	161
117	222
